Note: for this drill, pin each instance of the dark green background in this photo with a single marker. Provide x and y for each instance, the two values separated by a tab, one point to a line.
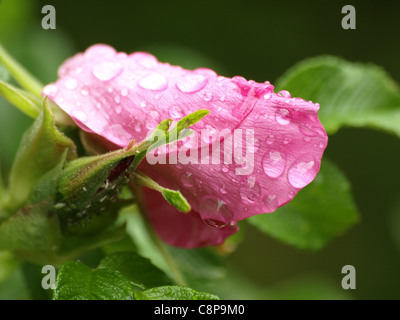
258	40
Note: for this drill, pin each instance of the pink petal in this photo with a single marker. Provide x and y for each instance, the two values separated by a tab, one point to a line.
185	230
122	97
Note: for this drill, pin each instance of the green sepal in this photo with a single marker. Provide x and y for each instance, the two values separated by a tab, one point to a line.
41	150
87	199
173	197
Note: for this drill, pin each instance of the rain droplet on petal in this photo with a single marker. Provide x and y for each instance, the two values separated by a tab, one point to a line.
215	212
138	127
187	180
124	92
283	116
223	190
71	84
191	83
285	94
270	139
175	112
84	92
153	81
302	172
250	194
143	104
270	203
208	96
106	71
274	163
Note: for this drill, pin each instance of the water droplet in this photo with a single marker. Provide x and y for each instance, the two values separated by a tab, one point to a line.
274	163
214	223
267	96
71	84
118	109
84	92
124	92
322	145
147	61
187	180
270	203
153	120
302	172
117	99
225	169
285	94
143	104
270	139
222	98
191	83
215	213
79	115
106	71
153	81
307	139
175	112
223	190
250	194
283	116
208	96
286	140
138	127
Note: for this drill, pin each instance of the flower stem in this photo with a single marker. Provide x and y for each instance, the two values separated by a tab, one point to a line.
23	77
162	248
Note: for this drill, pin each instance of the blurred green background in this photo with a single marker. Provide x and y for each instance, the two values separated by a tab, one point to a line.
258	40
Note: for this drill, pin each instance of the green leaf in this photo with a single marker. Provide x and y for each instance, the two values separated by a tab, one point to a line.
20	99
76	281
350	94
41	150
173	293
138	270
322	210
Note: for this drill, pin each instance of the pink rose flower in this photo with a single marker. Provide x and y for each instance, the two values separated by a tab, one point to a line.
123	97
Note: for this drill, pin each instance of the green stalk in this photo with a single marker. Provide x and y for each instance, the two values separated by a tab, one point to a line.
168	258
20	74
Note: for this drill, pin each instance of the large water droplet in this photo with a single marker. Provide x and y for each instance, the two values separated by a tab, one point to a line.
71	84
283	116
187	180
106	71
250	193
153	81
302	172
191	83
175	112
274	163
215	213
270	203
